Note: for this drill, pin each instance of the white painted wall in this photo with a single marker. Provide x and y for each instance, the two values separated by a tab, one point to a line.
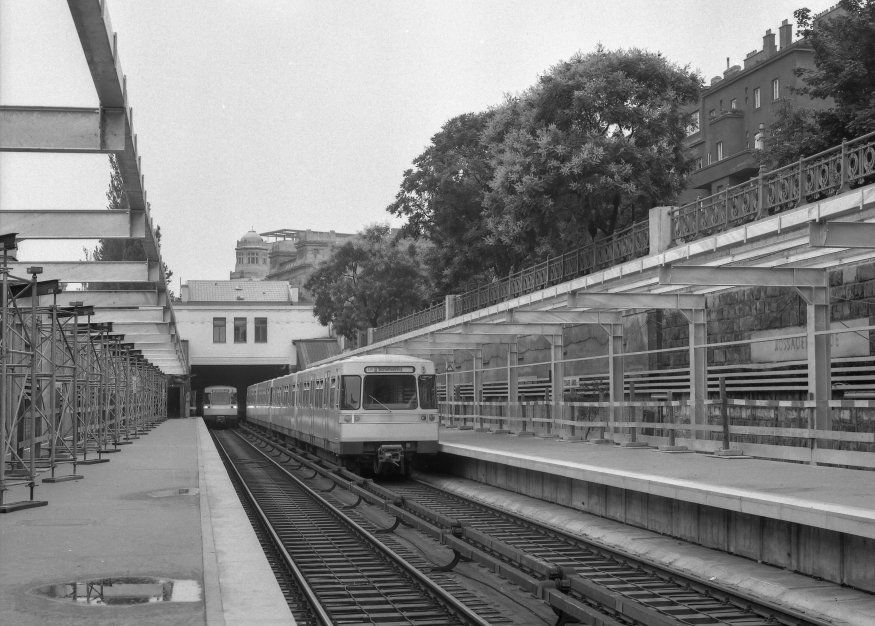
285	323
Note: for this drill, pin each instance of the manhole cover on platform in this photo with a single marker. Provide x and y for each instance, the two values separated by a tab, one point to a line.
123	591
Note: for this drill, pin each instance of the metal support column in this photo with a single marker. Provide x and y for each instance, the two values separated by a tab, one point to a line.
698	368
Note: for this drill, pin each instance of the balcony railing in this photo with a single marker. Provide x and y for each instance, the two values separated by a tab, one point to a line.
825	174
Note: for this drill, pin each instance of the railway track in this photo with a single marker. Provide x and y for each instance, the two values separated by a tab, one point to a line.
347	575
579	580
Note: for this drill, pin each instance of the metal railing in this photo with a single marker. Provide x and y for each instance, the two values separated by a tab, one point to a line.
631	243
414	321
819	176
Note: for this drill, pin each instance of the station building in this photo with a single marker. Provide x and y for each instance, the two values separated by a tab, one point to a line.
244	331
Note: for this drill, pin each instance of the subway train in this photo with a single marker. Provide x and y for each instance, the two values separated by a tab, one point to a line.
368	413
220	406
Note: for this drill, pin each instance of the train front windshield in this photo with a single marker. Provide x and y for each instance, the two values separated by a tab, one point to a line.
392	392
221	398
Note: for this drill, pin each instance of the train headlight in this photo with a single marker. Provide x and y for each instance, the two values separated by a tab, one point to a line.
347	418
431	418
206	406
422	417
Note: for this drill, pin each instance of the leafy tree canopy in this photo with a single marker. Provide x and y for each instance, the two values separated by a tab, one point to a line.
843	73
844	67
442	199
594	144
368	281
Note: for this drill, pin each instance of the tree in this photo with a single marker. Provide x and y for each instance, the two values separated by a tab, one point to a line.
794	133
591	147
844	71
368	281
442	199
121	249
844	67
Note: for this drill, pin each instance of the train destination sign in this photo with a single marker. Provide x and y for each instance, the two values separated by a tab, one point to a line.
390	369
782	348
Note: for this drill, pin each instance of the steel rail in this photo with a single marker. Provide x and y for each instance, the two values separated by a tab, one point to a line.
404	508
449	602
752	607
305	588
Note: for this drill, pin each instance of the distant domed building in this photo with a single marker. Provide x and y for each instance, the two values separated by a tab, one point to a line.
251	258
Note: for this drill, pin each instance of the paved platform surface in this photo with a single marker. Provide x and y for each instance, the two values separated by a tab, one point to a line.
824	497
132	517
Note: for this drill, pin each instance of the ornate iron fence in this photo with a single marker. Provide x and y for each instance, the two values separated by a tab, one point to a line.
420	319
819	176
627	244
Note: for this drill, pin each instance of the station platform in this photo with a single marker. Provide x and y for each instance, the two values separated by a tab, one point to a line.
162	514
815	520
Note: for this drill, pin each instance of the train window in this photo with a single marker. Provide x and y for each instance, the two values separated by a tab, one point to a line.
427	392
306	401
350	392
389	392
332	397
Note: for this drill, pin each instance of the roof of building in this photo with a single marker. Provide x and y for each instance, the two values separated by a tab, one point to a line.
251	237
310	351
238	290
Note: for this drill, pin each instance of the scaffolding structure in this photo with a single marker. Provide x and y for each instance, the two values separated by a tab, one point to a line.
71	390
82	373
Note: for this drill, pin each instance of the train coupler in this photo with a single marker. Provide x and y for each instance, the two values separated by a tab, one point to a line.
390	454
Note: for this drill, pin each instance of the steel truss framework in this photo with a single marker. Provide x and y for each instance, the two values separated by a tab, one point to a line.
83	372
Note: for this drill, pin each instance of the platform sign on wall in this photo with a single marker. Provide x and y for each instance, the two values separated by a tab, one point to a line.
780	347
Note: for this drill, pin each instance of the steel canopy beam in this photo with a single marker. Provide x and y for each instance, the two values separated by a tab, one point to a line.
56	129
87	272
587	300
54	224
131	316
841	235
734	276
421	346
565	317
452	336
512	329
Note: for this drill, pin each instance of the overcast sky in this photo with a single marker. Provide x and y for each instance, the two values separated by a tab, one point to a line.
288	114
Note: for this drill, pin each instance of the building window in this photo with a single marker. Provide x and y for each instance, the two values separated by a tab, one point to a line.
218	330
719	150
699	163
733	104
712	113
239	259
693	124
709	158
239	330
260	330
747	138
756	98
776	89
